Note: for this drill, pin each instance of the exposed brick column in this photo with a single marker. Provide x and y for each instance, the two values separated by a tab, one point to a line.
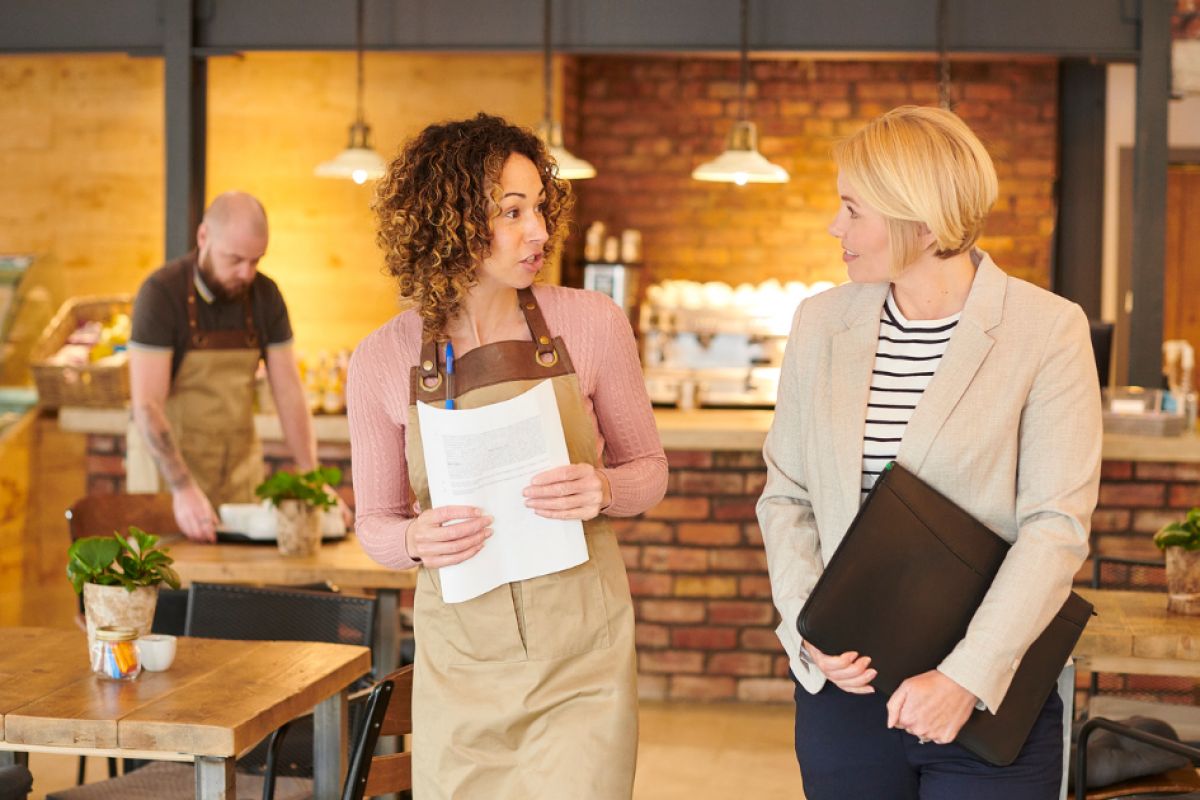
698	573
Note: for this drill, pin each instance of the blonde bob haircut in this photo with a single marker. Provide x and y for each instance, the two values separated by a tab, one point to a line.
921	167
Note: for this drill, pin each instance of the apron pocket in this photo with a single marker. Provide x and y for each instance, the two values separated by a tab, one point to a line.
565	613
483	629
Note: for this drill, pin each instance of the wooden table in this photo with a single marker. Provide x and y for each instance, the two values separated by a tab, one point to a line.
217	700
342	563
1133	633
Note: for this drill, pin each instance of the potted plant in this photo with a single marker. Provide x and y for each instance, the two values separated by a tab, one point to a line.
1180	542
299	501
119	579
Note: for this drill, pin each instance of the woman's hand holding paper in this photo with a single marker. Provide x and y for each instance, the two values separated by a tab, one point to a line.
447	535
576	491
930	706
850	672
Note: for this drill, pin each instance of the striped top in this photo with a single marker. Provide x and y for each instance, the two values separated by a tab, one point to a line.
905	360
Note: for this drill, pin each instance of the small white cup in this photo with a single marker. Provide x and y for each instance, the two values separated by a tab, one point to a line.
157	651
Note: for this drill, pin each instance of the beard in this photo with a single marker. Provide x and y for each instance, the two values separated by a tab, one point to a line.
219	290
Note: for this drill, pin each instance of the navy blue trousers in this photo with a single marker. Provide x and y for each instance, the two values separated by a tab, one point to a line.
846	752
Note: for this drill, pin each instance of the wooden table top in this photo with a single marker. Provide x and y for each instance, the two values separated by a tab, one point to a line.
218	698
1137	625
342	562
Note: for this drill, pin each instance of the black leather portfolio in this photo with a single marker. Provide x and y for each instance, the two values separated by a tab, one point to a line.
902	588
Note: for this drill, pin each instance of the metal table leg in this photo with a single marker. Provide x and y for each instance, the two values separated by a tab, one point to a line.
215	778
386	655
331	737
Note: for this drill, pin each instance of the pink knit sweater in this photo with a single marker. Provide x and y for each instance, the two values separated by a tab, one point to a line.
604	354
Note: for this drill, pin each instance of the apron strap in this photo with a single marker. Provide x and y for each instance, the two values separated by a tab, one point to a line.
429	369
218	340
537	326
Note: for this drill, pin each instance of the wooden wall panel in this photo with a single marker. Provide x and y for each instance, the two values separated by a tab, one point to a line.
274	116
81	154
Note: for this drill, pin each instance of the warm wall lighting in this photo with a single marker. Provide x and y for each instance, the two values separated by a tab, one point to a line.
570	167
741	163
358	161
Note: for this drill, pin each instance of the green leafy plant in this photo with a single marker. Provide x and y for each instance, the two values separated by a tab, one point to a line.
119	561
309	487
1184	534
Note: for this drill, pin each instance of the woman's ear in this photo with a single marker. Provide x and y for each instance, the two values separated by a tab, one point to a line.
926	237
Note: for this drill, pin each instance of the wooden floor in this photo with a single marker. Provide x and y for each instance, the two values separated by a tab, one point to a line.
687	750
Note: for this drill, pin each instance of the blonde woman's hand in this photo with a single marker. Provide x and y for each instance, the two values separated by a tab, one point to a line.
447	535
930	706
850	672
576	491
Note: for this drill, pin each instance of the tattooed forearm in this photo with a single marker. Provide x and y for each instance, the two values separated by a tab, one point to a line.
156	431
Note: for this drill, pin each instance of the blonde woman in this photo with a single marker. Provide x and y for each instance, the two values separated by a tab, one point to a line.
984	386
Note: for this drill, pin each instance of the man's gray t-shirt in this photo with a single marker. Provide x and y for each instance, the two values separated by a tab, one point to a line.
160	318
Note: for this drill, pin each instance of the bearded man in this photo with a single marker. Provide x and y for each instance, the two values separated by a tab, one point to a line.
201	324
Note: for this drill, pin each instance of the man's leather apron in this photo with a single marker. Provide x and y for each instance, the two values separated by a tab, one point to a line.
211	408
530	690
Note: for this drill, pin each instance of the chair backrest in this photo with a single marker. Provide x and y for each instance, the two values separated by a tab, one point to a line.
220	611
389	713
1133	574
101	514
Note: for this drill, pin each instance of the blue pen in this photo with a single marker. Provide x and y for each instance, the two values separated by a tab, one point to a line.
449	375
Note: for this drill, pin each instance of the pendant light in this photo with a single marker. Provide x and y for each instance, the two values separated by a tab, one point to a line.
943	56
570	167
358	161
741	163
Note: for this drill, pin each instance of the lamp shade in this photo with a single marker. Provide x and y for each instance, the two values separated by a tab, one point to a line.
357	162
570	167
741	163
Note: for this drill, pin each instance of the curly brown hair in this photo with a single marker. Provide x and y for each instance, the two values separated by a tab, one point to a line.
435	205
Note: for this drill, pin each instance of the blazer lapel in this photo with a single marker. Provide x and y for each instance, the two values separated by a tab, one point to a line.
853	359
965	353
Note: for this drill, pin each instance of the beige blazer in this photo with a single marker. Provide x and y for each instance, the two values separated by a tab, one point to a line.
1009	428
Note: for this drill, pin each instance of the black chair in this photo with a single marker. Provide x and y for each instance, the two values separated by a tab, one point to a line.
15	782
281	764
1182	784
220	611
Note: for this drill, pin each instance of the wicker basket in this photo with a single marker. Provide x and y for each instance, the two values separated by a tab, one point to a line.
105	386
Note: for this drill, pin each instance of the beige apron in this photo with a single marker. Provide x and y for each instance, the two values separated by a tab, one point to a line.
211	408
528	691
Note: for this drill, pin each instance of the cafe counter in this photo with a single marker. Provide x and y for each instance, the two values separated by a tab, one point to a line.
696	564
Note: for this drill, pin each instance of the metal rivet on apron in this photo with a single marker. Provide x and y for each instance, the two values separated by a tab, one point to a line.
531	306
428	365
544	339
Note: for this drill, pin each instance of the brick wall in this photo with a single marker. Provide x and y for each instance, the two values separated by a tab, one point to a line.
106	463
698	574
646	123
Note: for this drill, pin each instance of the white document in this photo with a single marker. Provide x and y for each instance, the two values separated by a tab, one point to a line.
485	457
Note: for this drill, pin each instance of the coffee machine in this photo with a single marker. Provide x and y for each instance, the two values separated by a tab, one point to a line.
712	345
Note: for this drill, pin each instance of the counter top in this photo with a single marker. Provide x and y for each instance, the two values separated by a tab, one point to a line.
702	429
114	421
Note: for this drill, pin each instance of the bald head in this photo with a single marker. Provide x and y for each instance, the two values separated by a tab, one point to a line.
231	239
236	210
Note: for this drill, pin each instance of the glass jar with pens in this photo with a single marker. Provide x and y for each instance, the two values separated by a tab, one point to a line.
115	654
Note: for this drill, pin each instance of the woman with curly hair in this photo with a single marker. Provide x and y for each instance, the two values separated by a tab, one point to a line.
528	690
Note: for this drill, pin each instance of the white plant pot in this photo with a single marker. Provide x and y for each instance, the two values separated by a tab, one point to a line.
112	605
299	527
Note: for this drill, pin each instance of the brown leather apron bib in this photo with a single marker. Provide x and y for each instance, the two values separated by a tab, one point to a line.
211	408
529	690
